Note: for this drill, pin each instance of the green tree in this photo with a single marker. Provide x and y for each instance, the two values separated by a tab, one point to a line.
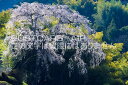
4	17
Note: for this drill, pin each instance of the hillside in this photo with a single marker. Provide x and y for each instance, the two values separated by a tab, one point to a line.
64	42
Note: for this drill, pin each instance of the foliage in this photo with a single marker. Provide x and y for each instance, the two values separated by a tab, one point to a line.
4	83
97	36
112	50
84	7
25	83
4	17
110	18
113	71
12	78
108	11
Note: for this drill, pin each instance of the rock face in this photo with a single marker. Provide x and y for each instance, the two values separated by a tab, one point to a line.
49	43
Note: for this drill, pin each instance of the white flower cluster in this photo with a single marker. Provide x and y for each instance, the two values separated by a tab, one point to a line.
34	17
38	15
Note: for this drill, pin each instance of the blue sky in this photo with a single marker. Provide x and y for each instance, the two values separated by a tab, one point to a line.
6	4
